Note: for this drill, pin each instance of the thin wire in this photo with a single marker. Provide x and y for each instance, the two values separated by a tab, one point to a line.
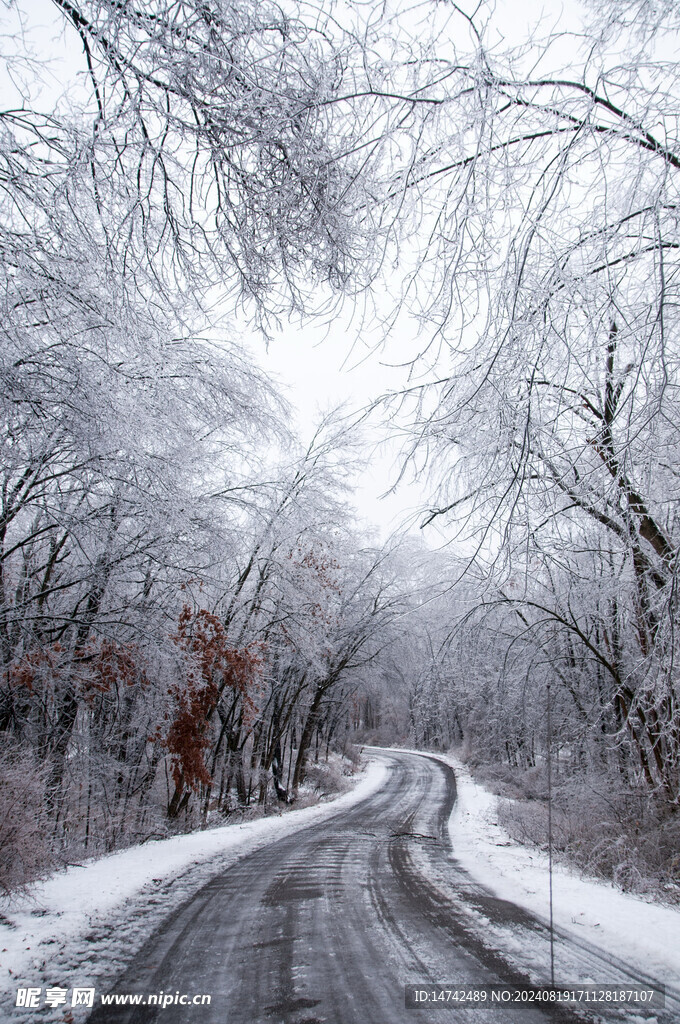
550	845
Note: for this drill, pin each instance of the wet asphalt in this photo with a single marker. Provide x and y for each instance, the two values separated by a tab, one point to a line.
329	925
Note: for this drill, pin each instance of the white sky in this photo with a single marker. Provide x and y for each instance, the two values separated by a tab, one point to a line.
320	369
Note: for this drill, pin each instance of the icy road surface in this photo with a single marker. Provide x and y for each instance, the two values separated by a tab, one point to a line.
329	924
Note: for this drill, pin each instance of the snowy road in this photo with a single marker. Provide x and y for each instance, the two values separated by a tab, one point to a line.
330	923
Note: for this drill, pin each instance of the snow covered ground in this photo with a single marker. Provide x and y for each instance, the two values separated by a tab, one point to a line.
77	928
623	926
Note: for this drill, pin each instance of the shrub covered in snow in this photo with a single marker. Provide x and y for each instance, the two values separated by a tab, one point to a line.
25	833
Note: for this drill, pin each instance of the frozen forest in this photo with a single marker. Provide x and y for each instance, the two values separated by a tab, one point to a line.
193	617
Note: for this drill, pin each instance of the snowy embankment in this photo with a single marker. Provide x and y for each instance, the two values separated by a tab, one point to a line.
79	926
621	925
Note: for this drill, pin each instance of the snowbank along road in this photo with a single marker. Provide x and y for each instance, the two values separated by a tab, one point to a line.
329	924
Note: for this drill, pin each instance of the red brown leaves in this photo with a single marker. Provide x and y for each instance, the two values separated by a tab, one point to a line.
211	667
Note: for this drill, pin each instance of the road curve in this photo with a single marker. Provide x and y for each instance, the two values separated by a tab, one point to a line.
329	924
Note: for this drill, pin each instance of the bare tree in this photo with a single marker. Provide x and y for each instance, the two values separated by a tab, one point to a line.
548	201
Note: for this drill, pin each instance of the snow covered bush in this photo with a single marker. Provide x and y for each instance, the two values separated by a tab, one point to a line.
25	833
607	831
